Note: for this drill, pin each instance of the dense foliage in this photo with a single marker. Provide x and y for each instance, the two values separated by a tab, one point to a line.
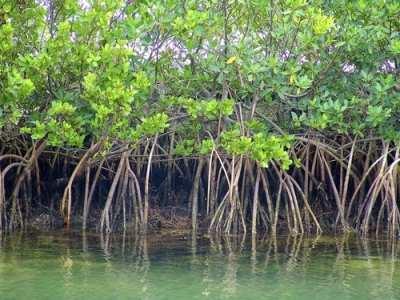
299	95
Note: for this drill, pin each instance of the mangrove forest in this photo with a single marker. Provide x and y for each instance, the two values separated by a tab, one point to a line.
227	116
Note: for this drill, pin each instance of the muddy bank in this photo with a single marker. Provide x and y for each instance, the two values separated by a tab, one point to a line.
160	219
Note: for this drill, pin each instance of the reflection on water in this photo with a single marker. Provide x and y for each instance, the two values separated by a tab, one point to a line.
68	265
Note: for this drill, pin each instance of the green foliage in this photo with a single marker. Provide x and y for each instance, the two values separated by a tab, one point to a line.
206	146
261	147
153	124
185	147
131	70
203	109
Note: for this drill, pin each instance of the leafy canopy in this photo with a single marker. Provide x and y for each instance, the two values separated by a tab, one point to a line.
217	73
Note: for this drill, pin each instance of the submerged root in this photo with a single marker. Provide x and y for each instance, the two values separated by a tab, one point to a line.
342	186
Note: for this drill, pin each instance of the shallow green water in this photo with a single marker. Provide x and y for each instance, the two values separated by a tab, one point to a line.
71	266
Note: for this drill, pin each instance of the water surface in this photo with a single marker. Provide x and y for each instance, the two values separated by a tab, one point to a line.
65	265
